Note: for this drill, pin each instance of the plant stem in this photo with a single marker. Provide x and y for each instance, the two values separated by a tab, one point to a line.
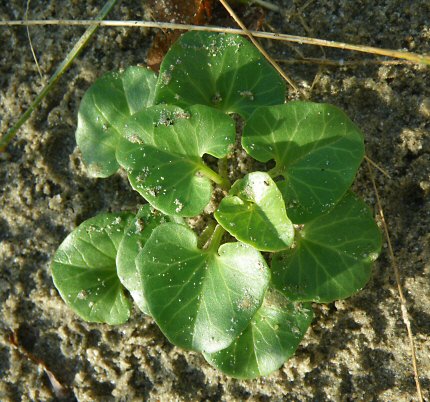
177	219
62	68
275	172
223	168
206	234
215	177
216	239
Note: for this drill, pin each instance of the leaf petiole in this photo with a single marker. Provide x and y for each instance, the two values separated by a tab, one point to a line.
276	171
223	167
206	234
214	176
216	239
177	219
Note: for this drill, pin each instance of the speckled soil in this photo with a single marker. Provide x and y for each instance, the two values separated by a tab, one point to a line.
356	350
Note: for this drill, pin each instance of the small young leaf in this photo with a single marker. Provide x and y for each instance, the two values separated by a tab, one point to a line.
104	107
270	339
84	270
163	155
317	151
333	255
201	300
254	212
222	71
135	237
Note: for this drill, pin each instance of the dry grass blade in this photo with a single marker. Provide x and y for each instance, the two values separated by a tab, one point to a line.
403	305
412	57
396	54
274	64
30	42
343	63
267	5
374	164
59	389
62	68
259	47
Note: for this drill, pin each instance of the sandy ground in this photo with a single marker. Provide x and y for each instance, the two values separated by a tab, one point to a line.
356	350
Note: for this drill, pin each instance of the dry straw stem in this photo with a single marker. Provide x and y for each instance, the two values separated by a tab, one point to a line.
59	389
266	4
94	24
403	305
276	65
30	42
383	171
302	40
259	47
341	62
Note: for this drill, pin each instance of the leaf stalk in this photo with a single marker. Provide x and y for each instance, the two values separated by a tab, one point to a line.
223	182
206	234
216	239
275	172
177	219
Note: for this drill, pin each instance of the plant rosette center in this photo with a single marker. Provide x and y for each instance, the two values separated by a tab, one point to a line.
215	292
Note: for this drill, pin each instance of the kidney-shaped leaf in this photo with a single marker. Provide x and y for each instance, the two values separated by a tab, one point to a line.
135	237
317	150
84	270
333	254
200	299
222	71
254	212
271	338
104	107
163	155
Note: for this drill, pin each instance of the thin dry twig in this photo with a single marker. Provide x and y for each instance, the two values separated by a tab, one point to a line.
10	134
59	389
274	64
267	5
403	303
30	42
302	40
343	63
259	47
374	164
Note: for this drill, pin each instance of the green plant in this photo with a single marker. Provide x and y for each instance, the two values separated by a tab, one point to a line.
210	293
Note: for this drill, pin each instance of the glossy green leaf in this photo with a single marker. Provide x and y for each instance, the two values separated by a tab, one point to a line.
333	254
270	339
317	150
102	112
201	300
84	270
163	156
254	212
135	237
222	71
